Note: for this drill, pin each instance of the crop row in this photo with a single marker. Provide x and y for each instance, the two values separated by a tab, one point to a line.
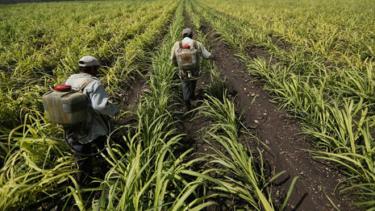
321	80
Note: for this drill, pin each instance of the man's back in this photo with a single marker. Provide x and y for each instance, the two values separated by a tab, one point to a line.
98	102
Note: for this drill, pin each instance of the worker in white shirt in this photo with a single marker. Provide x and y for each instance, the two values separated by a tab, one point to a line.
186	54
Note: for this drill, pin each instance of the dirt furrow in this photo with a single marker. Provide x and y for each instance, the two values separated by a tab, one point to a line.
282	134
137	88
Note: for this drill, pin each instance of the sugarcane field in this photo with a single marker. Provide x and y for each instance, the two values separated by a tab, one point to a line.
176	105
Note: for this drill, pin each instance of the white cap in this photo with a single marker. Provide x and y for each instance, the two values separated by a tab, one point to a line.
88	61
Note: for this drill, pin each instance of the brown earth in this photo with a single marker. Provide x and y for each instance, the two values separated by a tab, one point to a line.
137	88
281	134
258	52
280	42
192	123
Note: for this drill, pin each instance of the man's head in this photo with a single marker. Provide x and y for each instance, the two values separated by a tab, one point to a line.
89	64
187	32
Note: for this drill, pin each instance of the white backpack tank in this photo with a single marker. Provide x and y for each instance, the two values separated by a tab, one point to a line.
187	58
67	108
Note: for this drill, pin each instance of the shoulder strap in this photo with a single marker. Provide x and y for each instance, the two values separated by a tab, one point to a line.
180	44
87	82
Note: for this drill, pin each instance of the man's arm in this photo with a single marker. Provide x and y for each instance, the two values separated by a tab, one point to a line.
99	100
205	53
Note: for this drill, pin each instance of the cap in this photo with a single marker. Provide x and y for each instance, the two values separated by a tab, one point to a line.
187	31
88	61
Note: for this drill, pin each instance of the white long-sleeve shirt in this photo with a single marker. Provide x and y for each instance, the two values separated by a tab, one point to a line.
95	124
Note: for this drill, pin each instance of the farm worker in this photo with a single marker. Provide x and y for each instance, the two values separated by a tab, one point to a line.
90	137
186	55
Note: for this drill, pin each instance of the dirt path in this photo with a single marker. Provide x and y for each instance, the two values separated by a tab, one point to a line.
280	133
136	89
189	125
192	123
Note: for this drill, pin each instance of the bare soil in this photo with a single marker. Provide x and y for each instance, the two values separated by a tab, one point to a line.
136	89
258	52
280	42
286	146
192	123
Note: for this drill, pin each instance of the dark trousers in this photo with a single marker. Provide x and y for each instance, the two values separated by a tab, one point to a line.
88	158
188	91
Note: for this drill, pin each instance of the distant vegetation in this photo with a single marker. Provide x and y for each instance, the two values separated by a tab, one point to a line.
32	1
